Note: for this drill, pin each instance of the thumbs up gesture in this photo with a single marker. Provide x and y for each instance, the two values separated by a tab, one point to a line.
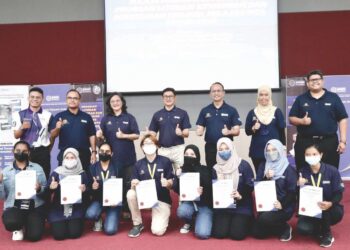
178	130
163	181
59	123
225	130
306	119
256	125
301	180
120	134
54	184
99	133
95	184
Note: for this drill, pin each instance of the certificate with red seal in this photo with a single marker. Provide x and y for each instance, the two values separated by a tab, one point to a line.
189	185
222	194
70	189
265	195
146	193
309	198
25	182
113	192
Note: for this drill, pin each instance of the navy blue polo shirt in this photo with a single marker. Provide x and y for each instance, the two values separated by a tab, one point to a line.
123	149
267	132
166	121
75	131
163	166
325	113
214	119
331	181
284	185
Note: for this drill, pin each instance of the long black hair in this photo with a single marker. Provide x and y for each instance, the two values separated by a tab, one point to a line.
108	103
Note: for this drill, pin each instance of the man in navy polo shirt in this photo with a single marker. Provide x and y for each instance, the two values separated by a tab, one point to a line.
173	125
218	119
75	129
317	114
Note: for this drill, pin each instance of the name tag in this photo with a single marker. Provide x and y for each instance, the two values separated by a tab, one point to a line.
327	104
125	122
224	114
326	182
160	170
177	117
84	121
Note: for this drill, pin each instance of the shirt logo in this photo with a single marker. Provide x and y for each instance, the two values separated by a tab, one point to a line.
207	115
160	119
224	114
177	117
65	121
326	182
306	104
84	121
160	170
142	172
109	123
125	122
327	104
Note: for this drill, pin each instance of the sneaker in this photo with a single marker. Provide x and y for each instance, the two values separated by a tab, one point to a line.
135	231
185	228
17	235
287	234
98	226
326	240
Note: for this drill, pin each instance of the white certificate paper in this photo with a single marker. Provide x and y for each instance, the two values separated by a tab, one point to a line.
222	190
70	189
189	184
309	197
265	195
113	192
25	182
146	193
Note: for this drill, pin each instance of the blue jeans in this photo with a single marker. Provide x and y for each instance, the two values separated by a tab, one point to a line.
111	222
203	221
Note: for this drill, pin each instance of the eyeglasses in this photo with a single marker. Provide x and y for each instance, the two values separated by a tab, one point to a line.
168	96
315	80
216	91
73	98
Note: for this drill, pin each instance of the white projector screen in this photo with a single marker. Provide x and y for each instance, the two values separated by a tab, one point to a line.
189	44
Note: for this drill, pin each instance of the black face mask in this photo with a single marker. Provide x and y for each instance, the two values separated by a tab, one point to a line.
104	157
190	164
21	157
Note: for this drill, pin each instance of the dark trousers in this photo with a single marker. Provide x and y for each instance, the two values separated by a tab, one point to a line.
126	173
33	221
84	156
210	154
41	156
230	225
67	229
328	144
270	223
256	163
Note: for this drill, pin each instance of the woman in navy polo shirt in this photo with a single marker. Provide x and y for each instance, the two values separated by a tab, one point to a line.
234	222
323	175
263	123
277	168
98	173
67	221
159	168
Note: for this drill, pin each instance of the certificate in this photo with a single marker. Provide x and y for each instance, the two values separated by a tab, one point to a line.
25	182
70	189
309	197
146	193
189	184
222	194
265	195
113	192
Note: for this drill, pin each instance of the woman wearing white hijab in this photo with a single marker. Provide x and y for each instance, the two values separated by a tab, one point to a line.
66	220
277	168
233	222
263	123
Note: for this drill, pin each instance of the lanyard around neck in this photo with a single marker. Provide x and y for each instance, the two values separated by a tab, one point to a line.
318	180
104	177
152	171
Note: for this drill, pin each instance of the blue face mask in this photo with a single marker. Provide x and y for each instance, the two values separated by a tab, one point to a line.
225	155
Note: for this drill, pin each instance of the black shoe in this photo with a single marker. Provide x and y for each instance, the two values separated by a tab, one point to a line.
135	231
326	240
287	234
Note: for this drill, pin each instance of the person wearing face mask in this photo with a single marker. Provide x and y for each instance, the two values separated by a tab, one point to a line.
234	222
320	174
202	209
99	172
263	123
67	221
23	214
159	168
277	168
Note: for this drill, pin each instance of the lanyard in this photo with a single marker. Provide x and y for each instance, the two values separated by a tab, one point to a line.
318	180
151	172
104	177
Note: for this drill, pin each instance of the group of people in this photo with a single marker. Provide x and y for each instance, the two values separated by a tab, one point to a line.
317	114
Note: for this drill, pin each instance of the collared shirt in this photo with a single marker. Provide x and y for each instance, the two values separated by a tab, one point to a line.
38	134
325	113
163	166
123	149
166	121
214	119
75	131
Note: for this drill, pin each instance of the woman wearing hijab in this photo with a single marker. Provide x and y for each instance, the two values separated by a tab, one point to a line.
99	172
233	222
202	210
263	123
67	221
277	168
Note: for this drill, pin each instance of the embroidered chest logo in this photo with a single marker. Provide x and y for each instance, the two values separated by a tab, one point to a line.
306	104
207	115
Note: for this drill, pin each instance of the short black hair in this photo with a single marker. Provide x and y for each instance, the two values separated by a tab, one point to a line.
36	89
314	72
74	90
169	89
217	83
315	146
21	142
108	103
106	143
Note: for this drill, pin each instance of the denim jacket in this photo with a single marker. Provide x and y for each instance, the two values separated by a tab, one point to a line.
7	186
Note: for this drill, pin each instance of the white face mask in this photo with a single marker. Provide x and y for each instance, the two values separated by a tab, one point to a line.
272	156
69	164
313	160
149	149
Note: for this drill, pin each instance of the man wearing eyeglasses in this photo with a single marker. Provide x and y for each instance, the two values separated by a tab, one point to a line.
75	129
173	125
317	114
218	119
